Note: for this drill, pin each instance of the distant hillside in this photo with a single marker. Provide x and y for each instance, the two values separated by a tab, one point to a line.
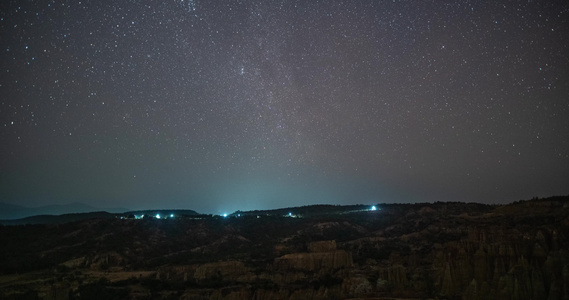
59	219
162	212
13	211
308	211
73	217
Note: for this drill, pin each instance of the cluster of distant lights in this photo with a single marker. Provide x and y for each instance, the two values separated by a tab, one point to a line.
225	215
159	217
291	215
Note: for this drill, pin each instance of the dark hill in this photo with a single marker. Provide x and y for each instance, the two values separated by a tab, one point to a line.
13	211
59	219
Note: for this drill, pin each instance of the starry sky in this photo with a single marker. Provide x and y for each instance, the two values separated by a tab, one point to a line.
224	105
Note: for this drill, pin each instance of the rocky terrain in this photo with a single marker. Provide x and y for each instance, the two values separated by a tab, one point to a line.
399	251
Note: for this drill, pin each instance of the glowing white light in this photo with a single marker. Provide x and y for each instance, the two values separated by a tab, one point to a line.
171	215
373	208
157	216
290	214
225	215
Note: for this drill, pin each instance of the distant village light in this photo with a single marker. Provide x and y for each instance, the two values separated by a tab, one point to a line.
171	215
373	208
225	215
157	216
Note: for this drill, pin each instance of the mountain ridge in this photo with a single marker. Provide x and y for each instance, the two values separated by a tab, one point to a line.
10	211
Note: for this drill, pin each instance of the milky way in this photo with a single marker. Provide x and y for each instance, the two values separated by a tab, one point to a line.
225	105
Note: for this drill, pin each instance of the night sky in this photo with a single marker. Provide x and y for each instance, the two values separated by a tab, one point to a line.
224	105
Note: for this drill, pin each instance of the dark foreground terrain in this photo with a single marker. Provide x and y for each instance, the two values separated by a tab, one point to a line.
439	251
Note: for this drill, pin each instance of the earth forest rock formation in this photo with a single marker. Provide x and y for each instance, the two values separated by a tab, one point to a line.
426	251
